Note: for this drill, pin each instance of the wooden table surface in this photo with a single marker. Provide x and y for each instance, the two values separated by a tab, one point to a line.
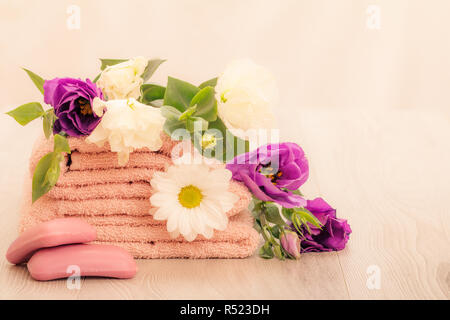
386	171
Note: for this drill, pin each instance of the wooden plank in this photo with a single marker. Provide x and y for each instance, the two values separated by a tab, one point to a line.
387	173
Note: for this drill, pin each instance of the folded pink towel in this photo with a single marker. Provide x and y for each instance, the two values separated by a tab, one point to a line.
43	145
48	206
142	158
91	177
148	240
108	160
192	250
103	191
239	226
134	190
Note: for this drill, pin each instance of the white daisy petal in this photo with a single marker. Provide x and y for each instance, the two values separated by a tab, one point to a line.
196	221
172	222
165	184
160	198
215	216
226	200
191	236
221	174
184	224
174	234
162	213
208	233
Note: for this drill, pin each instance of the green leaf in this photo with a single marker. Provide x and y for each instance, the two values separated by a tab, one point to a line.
257	225
171	125
37	80
307	216
61	144
278	252
110	62
273	214
188	113
255	207
287	213
297	192
191	122
27	112
151	92
275	231
265	251
52	175
209	83
206	104
43	180
97	77
170	113
179	94
297	223
151	67
47	124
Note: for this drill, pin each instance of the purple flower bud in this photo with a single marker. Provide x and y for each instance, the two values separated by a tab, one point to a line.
291	243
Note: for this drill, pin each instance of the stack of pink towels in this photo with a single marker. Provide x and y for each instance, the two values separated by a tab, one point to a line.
115	200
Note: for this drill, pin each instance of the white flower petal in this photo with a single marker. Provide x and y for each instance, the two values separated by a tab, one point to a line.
174	234
162	213
128	125
123	80
172	222
214	216
245	94
159	199
226	200
222	175
190	236
208	233
184	224
196	221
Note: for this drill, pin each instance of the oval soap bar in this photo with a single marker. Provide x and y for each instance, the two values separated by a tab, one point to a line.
50	234
83	260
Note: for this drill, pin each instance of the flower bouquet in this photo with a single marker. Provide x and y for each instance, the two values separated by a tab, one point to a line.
169	171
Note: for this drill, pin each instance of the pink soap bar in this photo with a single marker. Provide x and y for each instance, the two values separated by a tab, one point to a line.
50	234
84	259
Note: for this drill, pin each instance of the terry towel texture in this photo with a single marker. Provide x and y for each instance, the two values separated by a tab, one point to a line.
114	199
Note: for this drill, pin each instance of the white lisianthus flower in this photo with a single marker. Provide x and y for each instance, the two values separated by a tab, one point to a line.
127	125
123	80
193	199
245	94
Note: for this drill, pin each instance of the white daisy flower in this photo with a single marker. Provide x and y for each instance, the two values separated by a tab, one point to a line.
193	199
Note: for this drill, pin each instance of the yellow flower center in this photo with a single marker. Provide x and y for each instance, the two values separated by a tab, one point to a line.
208	141
131	104
190	196
222	97
270	173
85	106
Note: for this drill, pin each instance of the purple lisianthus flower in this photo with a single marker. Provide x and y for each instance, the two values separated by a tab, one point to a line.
71	100
271	171
334	233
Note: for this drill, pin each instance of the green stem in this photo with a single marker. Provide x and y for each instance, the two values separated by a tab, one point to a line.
262	219
263	224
